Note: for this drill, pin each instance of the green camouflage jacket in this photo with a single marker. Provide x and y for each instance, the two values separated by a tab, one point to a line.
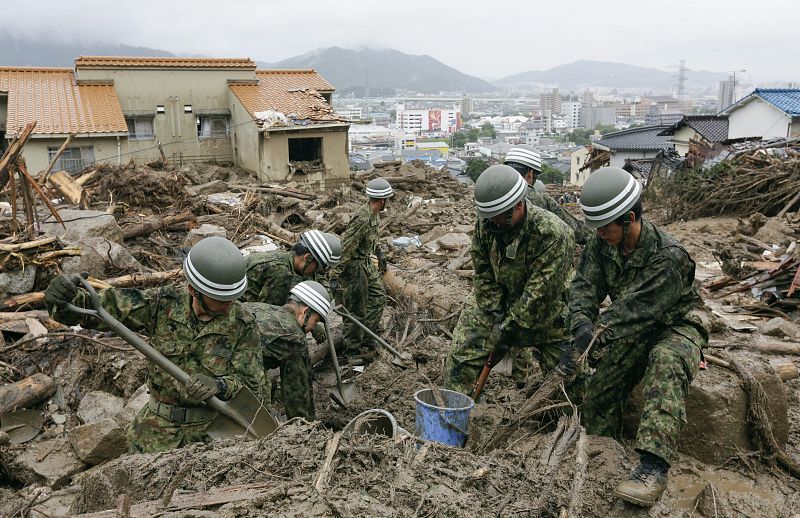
544	201
652	290
360	238
524	276
270	276
226	347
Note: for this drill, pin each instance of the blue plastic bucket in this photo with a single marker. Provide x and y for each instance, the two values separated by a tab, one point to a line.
445	425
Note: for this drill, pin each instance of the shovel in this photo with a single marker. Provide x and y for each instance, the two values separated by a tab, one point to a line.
344	392
243	414
21	426
399	359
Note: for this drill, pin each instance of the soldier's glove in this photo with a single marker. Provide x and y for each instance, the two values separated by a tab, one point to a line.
63	289
501	336
582	336
566	363
201	387
382	262
318	333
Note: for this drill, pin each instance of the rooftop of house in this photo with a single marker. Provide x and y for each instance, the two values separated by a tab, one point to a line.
645	138
163	62
711	127
52	98
785	99
293	93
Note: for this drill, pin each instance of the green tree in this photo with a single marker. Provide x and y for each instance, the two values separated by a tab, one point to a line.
551	175
475	167
458	139
580	136
487	130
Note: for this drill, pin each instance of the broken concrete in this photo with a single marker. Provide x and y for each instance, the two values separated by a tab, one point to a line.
82	224
780	327
211	187
99	441
98	405
205	230
101	257
449	241
134	405
52	463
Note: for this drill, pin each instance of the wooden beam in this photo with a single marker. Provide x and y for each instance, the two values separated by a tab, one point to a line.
43	176
13	151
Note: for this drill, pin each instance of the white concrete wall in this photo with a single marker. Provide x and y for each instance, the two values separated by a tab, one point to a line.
758	118
681	140
577	160
274	158
618	158
105	150
245	139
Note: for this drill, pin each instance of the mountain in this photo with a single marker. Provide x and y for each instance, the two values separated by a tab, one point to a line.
382	71
45	53
585	73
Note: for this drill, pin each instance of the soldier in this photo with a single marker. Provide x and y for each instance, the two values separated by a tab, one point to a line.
523	261
363	293
270	275
202	329
283	340
528	163
651	333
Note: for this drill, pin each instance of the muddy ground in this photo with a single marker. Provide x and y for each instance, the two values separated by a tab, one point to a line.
532	474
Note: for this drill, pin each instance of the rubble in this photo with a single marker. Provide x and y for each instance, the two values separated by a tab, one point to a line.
82	224
98	441
203	231
97	405
51	462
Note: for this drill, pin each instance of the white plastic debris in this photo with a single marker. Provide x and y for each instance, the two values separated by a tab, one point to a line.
267	245
271	118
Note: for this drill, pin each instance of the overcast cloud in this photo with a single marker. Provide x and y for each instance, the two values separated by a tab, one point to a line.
490	39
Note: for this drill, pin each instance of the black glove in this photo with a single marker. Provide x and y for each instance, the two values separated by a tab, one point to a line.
582	336
501	335
566	363
382	263
201	387
63	289
318	333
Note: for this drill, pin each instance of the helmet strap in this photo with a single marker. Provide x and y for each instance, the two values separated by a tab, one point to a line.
201	299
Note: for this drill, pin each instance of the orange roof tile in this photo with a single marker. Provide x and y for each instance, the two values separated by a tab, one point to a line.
50	97
144	62
295	93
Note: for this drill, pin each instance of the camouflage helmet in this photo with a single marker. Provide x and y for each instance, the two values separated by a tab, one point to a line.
498	189
379	188
538	186
524	155
314	295
607	194
324	247
216	268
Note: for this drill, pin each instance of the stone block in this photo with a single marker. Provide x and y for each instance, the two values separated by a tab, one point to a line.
50	463
203	231
99	441
100	256
450	241
97	405
207	188
15	282
780	327
82	224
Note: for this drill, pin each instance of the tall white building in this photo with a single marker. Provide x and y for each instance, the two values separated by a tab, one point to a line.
571	110
434	119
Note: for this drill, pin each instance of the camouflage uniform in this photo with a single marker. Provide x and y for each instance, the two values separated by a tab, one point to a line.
225	347
283	343
544	201
363	293
651	334
522	278
270	276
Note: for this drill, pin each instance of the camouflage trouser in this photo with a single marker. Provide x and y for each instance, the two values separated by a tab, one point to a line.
150	433
471	348
364	296
668	364
295	365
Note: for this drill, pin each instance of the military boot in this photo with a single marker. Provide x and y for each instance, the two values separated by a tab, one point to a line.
646	483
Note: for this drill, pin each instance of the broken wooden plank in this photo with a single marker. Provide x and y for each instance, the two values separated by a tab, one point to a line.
785	368
42	195
43	176
279	192
68	188
26	392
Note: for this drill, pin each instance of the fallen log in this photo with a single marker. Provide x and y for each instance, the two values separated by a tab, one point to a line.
67	186
19	247
26	392
148	227
278	192
12	153
785	368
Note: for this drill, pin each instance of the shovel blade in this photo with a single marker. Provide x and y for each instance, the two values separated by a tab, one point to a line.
252	410
22	425
348	394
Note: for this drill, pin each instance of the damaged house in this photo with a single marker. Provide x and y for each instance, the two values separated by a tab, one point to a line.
122	109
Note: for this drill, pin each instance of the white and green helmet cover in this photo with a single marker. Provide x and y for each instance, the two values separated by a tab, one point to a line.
216	268
314	295
498	189
607	194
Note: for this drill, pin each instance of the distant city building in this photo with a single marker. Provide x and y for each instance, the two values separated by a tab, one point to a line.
441	147
350	112
467	106
664	118
550	102
578	159
571	110
727	95
588	97
428	120
661	102
593	116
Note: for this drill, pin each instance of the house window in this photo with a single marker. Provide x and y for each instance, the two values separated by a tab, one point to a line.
213	126
140	128
303	149
73	159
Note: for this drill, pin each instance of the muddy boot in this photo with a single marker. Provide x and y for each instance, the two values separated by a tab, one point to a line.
646	483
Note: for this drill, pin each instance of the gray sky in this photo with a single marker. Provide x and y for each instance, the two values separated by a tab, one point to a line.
489	39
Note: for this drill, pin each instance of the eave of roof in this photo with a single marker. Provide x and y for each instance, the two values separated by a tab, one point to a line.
164	62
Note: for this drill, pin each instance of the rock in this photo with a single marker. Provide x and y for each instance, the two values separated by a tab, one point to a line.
203	231
17	281
135	403
59	418
97	405
55	503
780	327
451	241
774	232
99	441
207	188
50	463
82	224
100	257
716	414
